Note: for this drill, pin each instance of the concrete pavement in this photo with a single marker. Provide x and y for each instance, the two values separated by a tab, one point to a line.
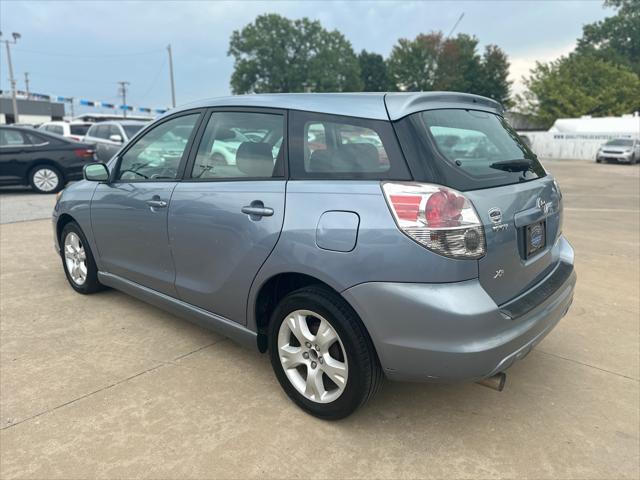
105	386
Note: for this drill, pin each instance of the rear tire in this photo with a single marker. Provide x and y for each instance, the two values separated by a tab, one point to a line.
77	260
315	337
46	179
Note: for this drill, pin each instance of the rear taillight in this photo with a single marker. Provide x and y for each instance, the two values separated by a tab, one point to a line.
84	153
437	217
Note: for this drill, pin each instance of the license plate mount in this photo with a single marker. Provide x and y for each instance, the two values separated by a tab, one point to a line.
536	238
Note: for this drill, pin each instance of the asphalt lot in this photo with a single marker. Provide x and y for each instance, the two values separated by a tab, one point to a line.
105	386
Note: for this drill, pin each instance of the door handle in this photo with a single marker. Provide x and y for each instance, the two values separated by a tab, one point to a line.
156	203
257	210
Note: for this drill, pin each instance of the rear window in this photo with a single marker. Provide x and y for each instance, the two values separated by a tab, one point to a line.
467	149
79	129
337	147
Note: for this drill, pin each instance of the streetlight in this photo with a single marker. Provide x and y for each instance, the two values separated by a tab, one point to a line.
16	37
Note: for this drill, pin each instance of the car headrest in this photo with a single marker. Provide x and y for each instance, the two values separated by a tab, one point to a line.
362	156
255	159
321	161
352	157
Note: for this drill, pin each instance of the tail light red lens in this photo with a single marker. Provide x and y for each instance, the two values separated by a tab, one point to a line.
439	218
84	153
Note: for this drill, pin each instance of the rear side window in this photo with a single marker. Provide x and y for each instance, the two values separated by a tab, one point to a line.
57	129
241	145
12	138
329	146
78	129
466	149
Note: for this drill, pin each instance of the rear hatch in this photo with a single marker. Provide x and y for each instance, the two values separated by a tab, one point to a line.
478	154
521	224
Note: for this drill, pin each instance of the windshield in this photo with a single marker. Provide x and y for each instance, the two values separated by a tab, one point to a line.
620	142
79	129
477	149
131	130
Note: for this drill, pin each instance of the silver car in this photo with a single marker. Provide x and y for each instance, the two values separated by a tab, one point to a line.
353	237
108	137
625	150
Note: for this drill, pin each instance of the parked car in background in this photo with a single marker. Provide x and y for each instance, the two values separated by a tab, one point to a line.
624	150
44	161
441	264
109	136
72	130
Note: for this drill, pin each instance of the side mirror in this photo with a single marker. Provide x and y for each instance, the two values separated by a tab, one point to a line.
96	172
115	138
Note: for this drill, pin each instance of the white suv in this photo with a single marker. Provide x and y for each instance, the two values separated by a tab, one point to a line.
74	130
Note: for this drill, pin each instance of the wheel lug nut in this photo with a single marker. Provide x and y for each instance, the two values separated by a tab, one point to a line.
317	348
321	360
308	345
305	354
314	364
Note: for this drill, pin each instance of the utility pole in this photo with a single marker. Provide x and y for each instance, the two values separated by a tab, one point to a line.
123	92
173	86
12	80
26	84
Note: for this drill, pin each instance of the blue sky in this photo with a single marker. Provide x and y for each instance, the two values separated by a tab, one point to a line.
83	49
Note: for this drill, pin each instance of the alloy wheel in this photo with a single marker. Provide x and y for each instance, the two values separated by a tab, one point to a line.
313	356
75	258
46	180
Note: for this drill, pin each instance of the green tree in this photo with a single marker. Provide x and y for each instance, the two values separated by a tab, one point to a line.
276	54
616	38
430	62
374	72
413	63
493	79
580	84
458	65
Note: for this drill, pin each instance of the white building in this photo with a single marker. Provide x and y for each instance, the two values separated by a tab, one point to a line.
580	138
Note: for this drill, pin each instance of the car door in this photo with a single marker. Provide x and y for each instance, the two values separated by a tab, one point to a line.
16	151
225	218
129	214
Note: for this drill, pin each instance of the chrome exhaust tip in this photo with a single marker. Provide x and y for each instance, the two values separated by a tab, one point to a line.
495	382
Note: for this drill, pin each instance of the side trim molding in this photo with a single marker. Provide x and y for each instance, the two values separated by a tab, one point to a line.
208	320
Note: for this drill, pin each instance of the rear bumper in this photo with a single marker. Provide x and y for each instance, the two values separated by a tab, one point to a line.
454	332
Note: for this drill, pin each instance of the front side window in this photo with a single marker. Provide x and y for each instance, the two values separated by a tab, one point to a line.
12	138
241	145
102	131
330	146
157	154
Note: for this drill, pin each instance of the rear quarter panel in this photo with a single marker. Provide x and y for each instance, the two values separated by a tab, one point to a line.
382	253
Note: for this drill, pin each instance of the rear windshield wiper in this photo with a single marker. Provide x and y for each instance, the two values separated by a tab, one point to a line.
518	165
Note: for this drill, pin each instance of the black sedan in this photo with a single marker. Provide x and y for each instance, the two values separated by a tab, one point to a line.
44	161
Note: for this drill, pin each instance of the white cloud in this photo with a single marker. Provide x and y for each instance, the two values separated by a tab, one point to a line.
522	64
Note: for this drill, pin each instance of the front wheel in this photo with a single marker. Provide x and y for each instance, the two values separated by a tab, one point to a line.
321	353
46	179
77	260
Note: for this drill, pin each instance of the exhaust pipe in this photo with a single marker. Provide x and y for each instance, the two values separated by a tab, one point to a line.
496	382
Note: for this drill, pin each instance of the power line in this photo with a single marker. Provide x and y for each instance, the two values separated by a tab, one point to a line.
91	56
455	25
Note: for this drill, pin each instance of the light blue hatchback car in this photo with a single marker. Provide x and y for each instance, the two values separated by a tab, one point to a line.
353	236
